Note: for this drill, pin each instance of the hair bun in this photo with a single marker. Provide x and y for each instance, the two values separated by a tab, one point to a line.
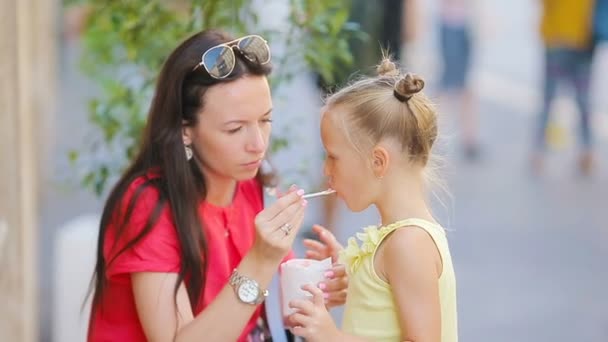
387	68
408	85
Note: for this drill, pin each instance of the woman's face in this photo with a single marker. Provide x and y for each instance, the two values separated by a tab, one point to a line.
347	170
233	129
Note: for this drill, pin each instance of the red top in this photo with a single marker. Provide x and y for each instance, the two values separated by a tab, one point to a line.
230	233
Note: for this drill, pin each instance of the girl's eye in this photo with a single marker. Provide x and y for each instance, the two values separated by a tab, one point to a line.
232	131
267	120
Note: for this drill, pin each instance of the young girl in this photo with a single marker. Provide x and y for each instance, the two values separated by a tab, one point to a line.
378	133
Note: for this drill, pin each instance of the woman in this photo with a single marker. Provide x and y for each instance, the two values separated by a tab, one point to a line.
186	250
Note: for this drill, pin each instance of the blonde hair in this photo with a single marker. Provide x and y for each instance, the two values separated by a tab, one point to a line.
389	105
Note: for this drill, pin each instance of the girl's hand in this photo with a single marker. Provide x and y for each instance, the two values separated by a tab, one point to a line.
312	321
326	247
277	226
335	287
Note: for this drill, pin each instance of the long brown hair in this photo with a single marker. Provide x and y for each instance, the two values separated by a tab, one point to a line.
178	98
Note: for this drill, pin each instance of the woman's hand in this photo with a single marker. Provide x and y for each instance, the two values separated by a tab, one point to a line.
335	287
278	225
311	320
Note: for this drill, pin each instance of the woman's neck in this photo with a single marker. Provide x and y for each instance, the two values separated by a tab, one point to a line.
220	190
402	200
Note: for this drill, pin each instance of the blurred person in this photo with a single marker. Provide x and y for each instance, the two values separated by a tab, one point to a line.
378	133
455	47
186	250
600	22
566	29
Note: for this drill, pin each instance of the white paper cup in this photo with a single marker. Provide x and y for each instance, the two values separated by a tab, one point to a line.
296	273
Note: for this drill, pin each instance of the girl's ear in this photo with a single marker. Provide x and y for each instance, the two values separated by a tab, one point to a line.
186	133
380	161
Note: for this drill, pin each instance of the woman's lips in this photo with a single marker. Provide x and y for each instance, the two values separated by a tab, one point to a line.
253	164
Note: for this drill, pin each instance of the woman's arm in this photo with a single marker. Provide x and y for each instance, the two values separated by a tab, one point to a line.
411	263
223	320
226	316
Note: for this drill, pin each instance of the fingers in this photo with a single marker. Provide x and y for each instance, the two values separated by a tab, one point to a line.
336	298
282	204
299	330
318	229
290	215
296	222
334	291
315	249
302	306
318	299
336	279
314	245
326	237
297	319
337	271
315	255
280	193
336	285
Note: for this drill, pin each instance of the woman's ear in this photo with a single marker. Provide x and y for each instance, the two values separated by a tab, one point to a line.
186	133
380	161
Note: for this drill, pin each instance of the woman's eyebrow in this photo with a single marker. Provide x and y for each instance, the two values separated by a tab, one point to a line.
244	121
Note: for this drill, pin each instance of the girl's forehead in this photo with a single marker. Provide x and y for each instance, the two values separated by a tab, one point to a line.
332	130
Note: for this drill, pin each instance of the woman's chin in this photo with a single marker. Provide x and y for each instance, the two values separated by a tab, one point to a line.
246	175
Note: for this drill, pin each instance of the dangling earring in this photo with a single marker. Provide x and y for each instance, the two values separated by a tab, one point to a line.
188	152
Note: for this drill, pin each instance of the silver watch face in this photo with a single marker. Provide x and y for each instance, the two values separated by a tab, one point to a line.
248	291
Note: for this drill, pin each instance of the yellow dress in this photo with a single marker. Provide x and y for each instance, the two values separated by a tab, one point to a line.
370	310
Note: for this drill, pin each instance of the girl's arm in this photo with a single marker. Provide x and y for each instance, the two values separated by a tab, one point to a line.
411	264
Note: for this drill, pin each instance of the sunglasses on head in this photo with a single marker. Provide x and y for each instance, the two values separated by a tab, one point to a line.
219	61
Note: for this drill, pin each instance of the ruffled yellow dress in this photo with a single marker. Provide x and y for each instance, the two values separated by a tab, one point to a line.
370	309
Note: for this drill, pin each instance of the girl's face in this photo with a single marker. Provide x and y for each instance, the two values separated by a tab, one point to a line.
347	169
231	135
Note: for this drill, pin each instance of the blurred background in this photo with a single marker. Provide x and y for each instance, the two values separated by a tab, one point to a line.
524	141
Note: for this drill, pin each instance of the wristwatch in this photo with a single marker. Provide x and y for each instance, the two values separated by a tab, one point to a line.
247	290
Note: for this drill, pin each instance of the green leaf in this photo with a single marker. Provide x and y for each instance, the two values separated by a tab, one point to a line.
73	156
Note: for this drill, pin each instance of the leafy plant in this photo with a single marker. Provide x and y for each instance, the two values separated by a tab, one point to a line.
126	42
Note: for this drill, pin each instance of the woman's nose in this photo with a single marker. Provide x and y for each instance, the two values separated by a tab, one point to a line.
256	141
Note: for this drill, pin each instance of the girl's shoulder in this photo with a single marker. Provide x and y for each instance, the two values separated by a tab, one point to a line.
410	232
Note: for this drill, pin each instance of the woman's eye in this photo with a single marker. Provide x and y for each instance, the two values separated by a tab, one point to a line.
232	131
267	120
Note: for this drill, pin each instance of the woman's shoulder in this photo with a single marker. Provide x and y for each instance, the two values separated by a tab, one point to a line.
143	186
141	198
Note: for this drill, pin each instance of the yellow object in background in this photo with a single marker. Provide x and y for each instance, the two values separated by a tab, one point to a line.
557	135
567	23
